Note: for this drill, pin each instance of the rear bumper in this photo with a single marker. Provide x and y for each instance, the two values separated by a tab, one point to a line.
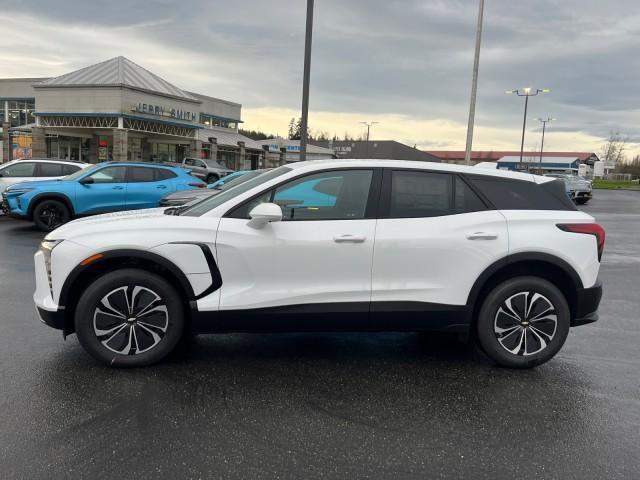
587	302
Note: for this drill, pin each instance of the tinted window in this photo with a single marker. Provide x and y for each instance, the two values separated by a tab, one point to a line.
50	170
466	199
109	175
141	174
20	169
163	174
69	169
420	194
506	194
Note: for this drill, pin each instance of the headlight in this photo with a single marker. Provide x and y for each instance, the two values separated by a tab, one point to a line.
46	247
16	190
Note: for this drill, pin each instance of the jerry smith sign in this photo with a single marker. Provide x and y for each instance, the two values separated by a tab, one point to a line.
162	111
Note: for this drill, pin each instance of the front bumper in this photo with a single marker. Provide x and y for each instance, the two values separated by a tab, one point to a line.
587	302
55	319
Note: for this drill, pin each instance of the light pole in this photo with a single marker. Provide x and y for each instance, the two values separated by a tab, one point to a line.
474	86
305	82
368	124
526	93
544	127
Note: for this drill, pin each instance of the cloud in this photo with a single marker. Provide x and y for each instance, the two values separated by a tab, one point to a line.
405	61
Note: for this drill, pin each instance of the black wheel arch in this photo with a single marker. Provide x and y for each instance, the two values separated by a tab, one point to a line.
543	265
80	277
49	196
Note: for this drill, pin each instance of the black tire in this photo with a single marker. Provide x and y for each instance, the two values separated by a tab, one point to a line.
133	345
212	178
581	201
50	214
516	349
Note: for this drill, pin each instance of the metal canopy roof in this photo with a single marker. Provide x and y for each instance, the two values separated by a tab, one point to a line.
118	71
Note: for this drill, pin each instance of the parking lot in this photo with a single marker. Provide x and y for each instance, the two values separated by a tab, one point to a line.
325	405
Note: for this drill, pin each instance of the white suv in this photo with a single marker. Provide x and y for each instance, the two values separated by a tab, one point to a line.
344	245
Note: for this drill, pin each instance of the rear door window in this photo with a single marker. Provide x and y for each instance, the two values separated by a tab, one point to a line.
46	169
141	174
417	194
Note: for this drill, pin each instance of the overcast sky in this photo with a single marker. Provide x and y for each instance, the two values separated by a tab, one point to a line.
404	63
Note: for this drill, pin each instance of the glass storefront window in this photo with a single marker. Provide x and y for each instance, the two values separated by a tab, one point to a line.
21	112
212	121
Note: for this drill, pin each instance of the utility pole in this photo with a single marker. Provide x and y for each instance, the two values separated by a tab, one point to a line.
544	127
305	82
526	93
368	124
474	85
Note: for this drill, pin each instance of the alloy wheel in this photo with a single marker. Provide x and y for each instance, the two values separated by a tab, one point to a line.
525	323
130	320
52	216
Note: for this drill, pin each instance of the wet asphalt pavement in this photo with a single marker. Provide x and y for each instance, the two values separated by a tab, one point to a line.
381	406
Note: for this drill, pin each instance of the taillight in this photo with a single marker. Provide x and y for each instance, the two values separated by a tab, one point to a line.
588	228
198	185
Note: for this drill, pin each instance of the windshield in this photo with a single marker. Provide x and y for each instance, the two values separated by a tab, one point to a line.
239	179
214	163
82	172
217	200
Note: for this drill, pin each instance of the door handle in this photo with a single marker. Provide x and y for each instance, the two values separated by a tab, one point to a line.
118	188
349	238
482	236
161	186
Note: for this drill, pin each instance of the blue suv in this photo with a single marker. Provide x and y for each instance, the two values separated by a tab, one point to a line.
106	187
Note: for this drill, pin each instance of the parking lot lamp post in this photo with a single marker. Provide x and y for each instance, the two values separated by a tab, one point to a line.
368	124
526	93
304	130
544	127
474	86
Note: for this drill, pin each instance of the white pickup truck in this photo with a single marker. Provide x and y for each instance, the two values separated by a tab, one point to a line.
208	170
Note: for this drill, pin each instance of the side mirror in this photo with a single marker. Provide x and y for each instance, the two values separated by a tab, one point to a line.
86	181
264	213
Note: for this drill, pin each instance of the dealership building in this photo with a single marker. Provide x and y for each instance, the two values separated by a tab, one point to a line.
118	110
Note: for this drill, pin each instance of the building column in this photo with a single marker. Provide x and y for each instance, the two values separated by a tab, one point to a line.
38	143
146	150
120	144
196	149
6	146
214	148
93	149
242	156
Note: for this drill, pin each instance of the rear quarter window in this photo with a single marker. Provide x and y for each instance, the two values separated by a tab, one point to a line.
509	194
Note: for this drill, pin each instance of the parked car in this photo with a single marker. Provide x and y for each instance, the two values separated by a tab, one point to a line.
579	189
208	170
505	256
19	171
184	197
106	187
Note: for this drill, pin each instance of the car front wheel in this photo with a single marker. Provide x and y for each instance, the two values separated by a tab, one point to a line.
129	318
50	214
523	322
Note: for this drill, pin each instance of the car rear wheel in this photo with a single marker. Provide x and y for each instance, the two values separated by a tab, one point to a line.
212	178
129	318
581	201
523	322
50	214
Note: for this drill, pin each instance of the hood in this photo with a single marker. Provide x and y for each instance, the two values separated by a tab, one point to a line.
108	222
37	184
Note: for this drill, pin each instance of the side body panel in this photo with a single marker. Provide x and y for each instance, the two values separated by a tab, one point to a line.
534	231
